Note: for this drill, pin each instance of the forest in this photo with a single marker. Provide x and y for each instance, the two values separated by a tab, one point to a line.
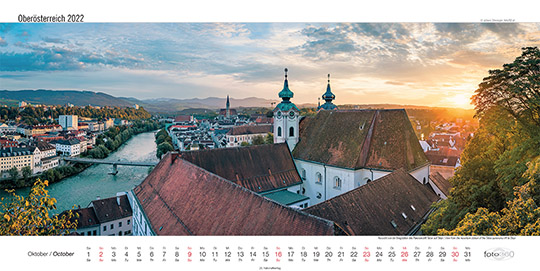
31	115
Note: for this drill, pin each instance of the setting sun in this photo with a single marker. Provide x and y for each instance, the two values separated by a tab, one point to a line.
462	100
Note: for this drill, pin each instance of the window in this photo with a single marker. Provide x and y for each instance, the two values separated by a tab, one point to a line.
319	178
120	224
128	221
337	182
319	195
112	226
303	174
291	131
104	228
120	233
393	224
94	232
279	131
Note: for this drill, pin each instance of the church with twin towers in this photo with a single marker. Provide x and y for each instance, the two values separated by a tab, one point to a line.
336	150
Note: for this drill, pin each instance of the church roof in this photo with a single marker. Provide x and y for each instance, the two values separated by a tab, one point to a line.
180	198
378	139
286	94
374	208
258	168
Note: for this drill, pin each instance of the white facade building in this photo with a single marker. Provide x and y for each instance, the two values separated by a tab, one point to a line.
71	147
69	122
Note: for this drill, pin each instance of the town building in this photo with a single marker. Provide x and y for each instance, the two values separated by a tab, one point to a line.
395	204
19	157
69	122
181	198
67	147
106	217
45	157
7	128
246	133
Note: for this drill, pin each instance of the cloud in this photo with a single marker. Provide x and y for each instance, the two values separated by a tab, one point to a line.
394	83
3	42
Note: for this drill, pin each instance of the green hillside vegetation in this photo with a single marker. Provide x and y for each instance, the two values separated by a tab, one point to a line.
496	190
34	115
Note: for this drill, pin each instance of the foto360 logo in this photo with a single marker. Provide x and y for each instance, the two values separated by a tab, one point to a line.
499	254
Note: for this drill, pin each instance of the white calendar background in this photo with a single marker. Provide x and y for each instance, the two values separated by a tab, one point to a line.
269	252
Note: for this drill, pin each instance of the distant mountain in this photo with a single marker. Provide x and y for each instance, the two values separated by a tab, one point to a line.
62	97
172	105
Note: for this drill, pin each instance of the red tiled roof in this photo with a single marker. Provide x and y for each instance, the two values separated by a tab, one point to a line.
442	183
382	139
87	218
108	209
258	168
180	198
250	129
183	118
372	208
442	160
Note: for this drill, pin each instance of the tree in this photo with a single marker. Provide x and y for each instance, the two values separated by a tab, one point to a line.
163	148
26	172
30	215
516	88
520	217
258	140
14	174
269	138
245	144
498	160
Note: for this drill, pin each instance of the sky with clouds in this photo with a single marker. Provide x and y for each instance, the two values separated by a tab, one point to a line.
432	64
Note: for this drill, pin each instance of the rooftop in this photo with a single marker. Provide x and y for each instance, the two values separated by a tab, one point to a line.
250	129
180	198
443	184
258	168
378	139
285	197
113	208
373	209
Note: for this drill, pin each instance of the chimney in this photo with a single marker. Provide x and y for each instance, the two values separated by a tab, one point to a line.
98	198
118	200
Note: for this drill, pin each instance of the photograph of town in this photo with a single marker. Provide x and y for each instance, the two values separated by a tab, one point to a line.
149	129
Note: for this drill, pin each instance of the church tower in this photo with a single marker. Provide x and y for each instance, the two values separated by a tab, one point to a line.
286	118
328	96
227	109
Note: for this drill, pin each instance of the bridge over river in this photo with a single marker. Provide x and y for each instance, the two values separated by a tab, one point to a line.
115	164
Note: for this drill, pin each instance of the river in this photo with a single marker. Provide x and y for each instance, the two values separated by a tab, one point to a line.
95	181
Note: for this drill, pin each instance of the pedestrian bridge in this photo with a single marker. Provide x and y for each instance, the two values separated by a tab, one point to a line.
115	164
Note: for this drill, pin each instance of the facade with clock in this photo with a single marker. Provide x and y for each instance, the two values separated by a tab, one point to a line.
337	151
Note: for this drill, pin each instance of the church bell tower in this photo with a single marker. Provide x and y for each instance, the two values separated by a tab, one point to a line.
286	118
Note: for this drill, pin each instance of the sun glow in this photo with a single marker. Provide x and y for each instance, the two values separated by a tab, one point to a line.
462	100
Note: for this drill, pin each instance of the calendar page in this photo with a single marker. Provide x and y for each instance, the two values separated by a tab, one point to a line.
269	135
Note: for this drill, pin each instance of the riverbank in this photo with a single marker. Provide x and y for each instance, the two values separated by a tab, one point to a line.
106	143
95	181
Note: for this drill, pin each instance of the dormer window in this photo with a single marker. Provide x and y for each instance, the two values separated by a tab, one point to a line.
404	215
